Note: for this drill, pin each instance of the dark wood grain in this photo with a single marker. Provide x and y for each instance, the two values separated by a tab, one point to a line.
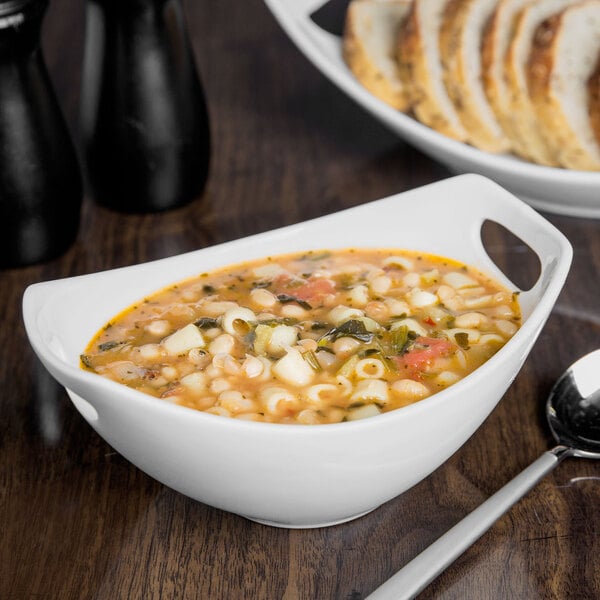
78	521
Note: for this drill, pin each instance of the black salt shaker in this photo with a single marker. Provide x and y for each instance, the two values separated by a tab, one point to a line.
145	120
40	178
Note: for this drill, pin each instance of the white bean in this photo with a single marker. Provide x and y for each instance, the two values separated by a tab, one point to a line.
358	296
506	328
263	298
470	319
235	402
345	346
446	378
252	366
169	373
222	344
293	311
199	357
159	328
195	382
219	385
363	412
381	285
150	352
419	298
377	310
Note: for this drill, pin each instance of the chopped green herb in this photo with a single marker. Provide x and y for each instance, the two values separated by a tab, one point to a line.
324	349
348	367
109	345
399	339
352	328
279	321
206	323
462	339
310	357
287	298
356	404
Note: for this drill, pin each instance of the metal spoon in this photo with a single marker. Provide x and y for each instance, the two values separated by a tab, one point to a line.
573	412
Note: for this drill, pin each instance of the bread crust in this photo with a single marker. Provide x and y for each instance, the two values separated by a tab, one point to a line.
364	65
501	26
567	146
530	141
416	75
462	75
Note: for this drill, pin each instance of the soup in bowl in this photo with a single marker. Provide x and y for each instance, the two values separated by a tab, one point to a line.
316	337
292	379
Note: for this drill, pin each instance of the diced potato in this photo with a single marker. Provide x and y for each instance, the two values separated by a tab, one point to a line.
282	336
293	369
183	340
195	382
418	298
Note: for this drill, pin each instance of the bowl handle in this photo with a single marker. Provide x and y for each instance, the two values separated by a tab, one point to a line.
552	248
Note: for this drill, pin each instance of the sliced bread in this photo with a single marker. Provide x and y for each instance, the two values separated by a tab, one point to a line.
564	55
461	35
421	69
369	47
496	39
529	140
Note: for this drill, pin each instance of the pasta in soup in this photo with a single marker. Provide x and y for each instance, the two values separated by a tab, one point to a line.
309	338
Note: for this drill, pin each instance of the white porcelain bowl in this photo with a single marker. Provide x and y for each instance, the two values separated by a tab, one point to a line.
287	475
561	191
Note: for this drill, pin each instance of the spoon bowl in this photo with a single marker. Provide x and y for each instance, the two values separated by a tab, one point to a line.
573	413
573	407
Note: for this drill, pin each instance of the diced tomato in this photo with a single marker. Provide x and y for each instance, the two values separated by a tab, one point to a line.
424	352
311	291
314	288
280	281
429	321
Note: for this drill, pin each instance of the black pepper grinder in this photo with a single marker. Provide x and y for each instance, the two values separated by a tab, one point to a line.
40	178
144	113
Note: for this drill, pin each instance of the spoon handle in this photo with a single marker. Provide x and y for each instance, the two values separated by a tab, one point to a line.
425	567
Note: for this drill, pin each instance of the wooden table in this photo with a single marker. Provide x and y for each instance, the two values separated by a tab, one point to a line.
78	521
